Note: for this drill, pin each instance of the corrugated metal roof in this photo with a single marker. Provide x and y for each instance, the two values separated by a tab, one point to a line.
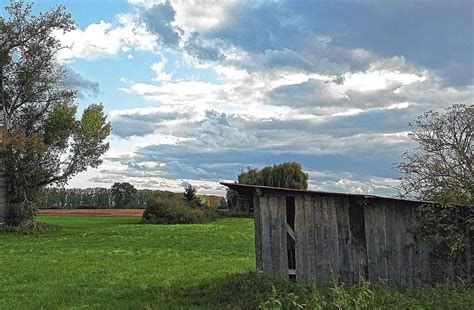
237	186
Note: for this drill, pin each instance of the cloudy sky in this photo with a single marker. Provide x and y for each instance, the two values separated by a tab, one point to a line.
198	90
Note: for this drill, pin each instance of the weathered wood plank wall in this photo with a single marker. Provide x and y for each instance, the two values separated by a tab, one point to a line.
342	237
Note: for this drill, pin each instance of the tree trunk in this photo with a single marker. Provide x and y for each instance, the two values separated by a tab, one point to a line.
3	198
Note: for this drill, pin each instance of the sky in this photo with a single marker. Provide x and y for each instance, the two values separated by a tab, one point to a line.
196	91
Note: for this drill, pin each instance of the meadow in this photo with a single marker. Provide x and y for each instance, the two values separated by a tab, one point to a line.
118	263
115	262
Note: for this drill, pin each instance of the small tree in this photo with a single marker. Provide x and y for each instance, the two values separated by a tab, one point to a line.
191	197
231	199
440	168
42	141
123	195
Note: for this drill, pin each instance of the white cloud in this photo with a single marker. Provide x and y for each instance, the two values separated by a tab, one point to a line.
301	96
202	15
378	80
345	182
146	3
160	74
105	39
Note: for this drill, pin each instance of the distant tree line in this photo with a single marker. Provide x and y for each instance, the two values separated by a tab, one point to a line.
119	196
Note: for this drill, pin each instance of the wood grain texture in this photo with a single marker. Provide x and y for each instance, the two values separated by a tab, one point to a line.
258	233
346	238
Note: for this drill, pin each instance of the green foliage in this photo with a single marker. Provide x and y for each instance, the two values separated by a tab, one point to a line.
441	166
176	211
213	202
231	198
168	211
76	198
440	169
190	195
103	198
42	142
60	125
286	175
449	230
190	209
123	195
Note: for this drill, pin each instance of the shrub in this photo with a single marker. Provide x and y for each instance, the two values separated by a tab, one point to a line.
449	230
175	211
168	211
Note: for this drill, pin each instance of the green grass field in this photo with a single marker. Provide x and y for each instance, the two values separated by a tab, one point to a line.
107	262
117	263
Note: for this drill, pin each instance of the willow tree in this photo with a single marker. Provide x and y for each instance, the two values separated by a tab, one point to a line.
287	175
42	141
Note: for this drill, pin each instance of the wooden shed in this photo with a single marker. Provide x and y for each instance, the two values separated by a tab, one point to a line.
322	236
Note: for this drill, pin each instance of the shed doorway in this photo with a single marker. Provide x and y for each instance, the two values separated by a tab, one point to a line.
290	236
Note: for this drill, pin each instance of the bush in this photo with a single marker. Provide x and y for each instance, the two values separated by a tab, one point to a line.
167	211
449	230
175	211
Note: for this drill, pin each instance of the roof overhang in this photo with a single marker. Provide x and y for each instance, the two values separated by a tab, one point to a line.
245	188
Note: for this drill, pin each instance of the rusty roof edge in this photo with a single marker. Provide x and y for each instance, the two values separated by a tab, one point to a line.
368	196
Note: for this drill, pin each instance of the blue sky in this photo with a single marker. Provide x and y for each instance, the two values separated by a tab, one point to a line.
197	92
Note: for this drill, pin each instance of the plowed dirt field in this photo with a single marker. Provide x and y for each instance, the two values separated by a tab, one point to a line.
92	212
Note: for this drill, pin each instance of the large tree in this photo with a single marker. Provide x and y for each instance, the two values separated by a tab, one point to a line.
43	142
440	168
286	175
123	195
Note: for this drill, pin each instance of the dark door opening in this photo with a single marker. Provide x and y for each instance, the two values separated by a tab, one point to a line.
290	236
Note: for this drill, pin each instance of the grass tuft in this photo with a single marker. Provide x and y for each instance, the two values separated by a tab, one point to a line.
30	228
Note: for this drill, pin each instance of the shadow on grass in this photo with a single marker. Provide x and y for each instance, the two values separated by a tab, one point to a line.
236	291
250	291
